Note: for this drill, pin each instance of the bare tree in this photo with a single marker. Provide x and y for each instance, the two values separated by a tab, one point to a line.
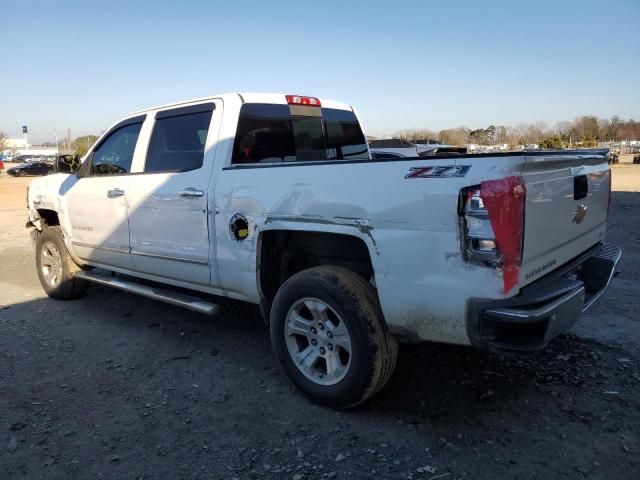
416	134
513	136
454	136
585	130
563	129
586	127
3	141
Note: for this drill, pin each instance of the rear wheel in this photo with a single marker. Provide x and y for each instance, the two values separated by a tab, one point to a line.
56	267
329	336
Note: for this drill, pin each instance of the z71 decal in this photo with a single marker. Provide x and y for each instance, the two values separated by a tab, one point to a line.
443	171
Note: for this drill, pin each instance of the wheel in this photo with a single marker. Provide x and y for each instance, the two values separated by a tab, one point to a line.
329	336
55	266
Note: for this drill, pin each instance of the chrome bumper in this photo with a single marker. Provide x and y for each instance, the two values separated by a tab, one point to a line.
546	308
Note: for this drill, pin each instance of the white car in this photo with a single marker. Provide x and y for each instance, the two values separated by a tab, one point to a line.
275	200
398	148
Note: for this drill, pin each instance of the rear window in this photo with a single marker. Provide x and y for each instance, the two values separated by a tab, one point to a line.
271	133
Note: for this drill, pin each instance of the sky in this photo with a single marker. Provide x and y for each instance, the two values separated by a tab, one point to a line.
402	64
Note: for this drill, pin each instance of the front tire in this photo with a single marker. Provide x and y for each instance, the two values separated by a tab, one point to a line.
329	336
56	267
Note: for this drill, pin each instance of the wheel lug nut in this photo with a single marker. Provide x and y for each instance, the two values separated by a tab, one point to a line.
313	330
330	346
329	334
322	350
321	326
314	342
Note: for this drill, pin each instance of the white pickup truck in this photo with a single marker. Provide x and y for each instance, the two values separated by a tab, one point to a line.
275	200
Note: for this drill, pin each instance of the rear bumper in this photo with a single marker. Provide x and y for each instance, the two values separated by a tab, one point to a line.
546	308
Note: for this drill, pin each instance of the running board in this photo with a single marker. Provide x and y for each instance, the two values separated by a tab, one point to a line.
161	294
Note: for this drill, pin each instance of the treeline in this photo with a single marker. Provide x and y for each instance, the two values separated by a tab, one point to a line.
585	131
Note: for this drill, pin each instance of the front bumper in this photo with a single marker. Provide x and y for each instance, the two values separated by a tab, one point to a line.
546	308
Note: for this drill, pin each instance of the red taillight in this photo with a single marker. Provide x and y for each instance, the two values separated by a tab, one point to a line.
300	100
504	201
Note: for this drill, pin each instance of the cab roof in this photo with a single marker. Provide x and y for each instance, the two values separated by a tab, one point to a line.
246	97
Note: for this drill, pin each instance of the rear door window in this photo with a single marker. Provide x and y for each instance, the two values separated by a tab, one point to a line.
178	140
272	133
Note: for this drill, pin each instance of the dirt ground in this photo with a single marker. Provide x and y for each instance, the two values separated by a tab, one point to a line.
117	386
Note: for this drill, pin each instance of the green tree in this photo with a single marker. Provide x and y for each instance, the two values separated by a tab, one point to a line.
81	145
553	142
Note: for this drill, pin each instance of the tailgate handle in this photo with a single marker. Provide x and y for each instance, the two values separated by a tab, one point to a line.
580	187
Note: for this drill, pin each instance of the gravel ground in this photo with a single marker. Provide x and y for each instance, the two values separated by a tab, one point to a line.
117	386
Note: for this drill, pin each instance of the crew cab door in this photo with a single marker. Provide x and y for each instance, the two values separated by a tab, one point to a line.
95	198
168	198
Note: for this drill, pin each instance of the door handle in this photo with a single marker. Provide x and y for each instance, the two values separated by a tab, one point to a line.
191	192
115	192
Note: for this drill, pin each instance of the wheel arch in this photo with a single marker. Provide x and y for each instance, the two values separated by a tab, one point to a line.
49	216
283	251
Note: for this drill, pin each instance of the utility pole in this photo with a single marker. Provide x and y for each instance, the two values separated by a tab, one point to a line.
26	140
57	146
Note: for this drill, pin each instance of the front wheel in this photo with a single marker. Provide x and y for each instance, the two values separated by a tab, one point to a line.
329	336
56	267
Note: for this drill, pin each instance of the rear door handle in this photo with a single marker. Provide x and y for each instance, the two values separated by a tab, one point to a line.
191	192
115	192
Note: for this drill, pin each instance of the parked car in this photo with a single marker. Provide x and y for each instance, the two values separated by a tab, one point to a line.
30	168
398	148
275	200
1	166
66	163
21	158
614	158
376	155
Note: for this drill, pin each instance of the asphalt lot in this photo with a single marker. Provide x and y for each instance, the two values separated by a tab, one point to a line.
117	386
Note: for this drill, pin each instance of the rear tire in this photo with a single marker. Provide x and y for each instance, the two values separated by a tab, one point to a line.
340	369
55	266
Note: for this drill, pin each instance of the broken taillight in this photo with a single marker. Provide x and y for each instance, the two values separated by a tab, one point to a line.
493	226
479	239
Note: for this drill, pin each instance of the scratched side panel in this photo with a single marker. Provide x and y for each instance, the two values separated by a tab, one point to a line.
410	226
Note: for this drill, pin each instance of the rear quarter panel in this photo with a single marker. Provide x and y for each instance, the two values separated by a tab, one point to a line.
410	226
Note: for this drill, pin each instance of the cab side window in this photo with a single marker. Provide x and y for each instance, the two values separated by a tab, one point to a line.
115	154
178	139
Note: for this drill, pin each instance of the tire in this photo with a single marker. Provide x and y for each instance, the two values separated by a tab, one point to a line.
55	266
337	296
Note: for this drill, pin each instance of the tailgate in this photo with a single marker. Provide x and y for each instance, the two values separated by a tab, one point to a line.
566	208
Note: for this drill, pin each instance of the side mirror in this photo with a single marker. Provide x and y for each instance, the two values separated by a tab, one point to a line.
67	163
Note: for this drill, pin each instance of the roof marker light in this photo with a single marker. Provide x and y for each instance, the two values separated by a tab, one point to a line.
300	100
